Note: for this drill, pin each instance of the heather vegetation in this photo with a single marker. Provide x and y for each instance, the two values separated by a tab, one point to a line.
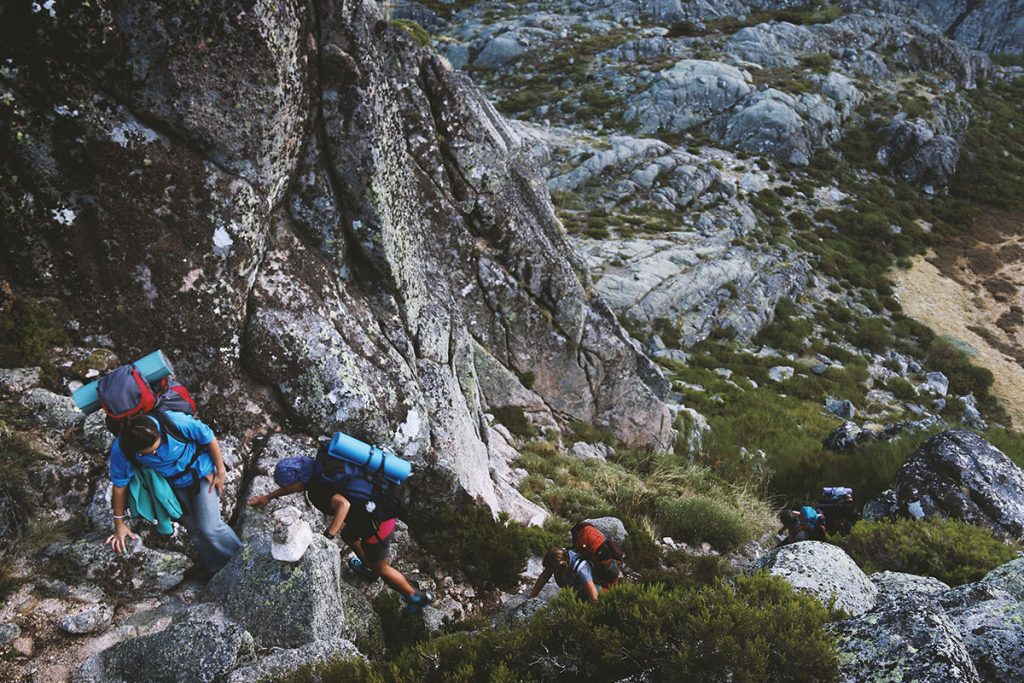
748	629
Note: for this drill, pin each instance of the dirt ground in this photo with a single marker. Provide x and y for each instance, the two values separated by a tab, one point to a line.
973	291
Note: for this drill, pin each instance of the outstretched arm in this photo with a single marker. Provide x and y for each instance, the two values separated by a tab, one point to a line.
590	590
260	501
119	502
541	581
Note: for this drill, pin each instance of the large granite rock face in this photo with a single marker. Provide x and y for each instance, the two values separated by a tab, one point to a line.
996	26
289	605
299	195
688	94
959	475
923	630
823	570
919	155
200	649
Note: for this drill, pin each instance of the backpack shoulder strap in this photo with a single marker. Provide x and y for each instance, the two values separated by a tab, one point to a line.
167	426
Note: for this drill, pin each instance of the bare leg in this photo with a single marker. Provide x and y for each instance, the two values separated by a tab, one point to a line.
393	577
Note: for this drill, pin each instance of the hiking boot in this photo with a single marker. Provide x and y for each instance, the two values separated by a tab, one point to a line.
356	565
415	603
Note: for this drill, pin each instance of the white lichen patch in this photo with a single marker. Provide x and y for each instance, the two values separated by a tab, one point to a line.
189	281
144	276
65	111
63	215
49	6
130	133
222	240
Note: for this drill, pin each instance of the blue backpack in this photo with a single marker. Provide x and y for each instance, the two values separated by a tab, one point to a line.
812	520
363	487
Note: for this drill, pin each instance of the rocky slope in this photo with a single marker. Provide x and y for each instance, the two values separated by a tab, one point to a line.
338	233
316	212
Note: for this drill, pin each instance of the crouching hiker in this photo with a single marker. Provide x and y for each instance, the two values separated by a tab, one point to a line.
805	524
183	451
359	511
570	570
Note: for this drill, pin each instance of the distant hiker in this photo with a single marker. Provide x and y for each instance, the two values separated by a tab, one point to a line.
837	505
359	512
805	524
601	552
570	570
183	451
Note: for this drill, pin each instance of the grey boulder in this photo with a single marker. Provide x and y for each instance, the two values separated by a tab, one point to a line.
197	650
96	619
824	571
52	410
281	663
959	475
139	572
919	644
285	604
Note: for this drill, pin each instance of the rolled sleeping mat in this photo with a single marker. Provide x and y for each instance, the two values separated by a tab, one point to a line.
371	458
153	367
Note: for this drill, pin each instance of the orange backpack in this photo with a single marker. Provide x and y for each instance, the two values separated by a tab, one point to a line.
602	553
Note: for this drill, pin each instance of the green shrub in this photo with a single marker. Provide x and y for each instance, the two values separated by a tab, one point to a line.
952	551
400	632
901	389
419	34
514	418
753	629
699	519
964	378
872	334
466	539
29	330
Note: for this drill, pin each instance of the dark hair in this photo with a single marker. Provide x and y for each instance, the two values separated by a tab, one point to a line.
556	561
139	433
790	519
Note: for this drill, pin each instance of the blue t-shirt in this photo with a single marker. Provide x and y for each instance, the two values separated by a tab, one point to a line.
581	574
172	457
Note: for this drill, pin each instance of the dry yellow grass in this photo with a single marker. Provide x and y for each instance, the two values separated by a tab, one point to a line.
951	308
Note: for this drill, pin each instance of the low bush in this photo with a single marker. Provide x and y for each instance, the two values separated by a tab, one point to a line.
952	551
753	629
467	540
700	518
514	418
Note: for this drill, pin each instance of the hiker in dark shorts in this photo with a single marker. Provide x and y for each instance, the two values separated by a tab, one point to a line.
368	539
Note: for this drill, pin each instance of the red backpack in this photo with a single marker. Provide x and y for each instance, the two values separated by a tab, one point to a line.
125	393
602	552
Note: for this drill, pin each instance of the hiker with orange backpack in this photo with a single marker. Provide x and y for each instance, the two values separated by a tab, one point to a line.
590	566
570	570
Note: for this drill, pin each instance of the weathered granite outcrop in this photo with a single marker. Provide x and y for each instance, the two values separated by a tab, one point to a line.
959	475
290	604
300	195
202	648
824	571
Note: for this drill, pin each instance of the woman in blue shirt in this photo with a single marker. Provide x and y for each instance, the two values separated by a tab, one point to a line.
186	453
570	570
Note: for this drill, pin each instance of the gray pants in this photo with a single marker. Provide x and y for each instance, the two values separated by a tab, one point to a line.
215	541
